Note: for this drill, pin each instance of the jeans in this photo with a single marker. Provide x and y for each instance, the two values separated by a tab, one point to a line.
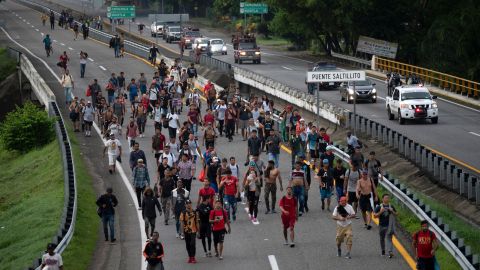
108	221
383	232
166	207
195	129
339	192
68	94
220	126
270	188
190	243
299	194
116	49
110	98
275	158
139	192
82	70
230	203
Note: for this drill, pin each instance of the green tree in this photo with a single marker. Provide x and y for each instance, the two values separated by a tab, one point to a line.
26	128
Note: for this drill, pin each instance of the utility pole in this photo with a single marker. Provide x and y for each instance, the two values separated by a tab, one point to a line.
317	118
354	110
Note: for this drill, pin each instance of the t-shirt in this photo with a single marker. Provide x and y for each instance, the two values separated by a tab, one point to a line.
424	243
353	177
88	113
167	186
274	146
52	262
170	157
153	93
193	116
300	174
326	177
221	111
349	211
114	129
209	118
112	147
203	211
254	145
207	193
289	205
336	175
234	170
220	217
384	218
312	140
173	120
230	185
373	167
244	114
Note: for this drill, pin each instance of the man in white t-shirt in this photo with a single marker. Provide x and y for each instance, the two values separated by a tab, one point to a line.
167	154
51	260
173	124
114	128
114	148
220	110
343	214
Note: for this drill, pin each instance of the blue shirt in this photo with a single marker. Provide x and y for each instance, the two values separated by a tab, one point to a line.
312	140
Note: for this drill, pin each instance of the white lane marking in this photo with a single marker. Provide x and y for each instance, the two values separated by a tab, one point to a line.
70	48
382	98
36	29
55	40
104	70
118	166
473	133
91	60
32	26
42	34
28	22
63	44
287	68
273	262
254	222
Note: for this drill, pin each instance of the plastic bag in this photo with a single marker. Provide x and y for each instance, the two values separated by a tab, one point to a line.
201	175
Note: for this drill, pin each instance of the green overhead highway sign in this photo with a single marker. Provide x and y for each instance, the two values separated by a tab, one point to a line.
253	8
121	12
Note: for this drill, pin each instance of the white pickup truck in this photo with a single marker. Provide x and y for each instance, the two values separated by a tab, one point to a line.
412	102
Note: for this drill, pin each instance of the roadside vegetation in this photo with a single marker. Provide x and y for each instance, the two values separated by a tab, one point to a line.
7	64
80	250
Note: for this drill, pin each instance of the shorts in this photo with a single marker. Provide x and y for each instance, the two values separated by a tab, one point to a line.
88	123
243	124
313	153
344	233
172	132
325	193
112	159
364	203
157	155
352	197
288	222
218	236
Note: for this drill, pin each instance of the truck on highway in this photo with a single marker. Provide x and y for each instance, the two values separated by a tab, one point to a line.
173	33
411	102
245	49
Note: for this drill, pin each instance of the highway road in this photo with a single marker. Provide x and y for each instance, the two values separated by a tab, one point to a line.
249	246
457	134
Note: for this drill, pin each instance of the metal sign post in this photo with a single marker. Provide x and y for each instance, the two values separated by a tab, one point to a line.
317	118
337	76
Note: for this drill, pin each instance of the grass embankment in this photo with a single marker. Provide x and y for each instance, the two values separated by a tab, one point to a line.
31	203
7	64
273	42
80	250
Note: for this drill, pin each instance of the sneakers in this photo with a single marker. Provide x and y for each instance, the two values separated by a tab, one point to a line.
189	260
339	253
193	260
369	227
390	255
383	253
220	257
177	235
254	220
267	212
182	237
306	208
300	214
234	217
348	256
275	211
113	240
286	243
323	205
292	244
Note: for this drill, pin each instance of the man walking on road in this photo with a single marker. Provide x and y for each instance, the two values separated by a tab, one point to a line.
271	176
68	86
299	184
191	225
114	147
343	214
374	167
350	186
229	184
365	192
141	180
288	206
148	210
106	209
136	155
325	179
154	253
51	260
273	147
385	212
88	117
424	245
203	211
221	225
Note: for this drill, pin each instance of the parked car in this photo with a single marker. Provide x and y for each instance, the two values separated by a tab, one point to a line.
365	91
217	46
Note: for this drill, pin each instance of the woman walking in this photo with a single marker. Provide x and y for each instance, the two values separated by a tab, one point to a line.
251	184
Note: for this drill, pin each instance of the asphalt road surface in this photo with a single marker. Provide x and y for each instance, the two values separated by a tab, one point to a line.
249	246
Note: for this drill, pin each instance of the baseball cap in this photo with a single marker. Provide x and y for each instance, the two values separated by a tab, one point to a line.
325	161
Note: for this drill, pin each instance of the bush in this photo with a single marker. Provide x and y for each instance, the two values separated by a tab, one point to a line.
26	128
7	65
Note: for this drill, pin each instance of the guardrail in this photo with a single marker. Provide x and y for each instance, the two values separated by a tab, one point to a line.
429	161
445	81
69	214
449	239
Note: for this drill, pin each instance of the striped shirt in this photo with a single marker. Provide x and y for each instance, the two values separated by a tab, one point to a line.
298	175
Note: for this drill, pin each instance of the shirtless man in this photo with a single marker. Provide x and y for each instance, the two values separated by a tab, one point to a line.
271	176
299	185
364	190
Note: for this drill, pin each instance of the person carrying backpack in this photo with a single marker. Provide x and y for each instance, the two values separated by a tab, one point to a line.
424	245
220	226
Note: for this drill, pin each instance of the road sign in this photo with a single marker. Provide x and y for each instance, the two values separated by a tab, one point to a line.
335	76
121	12
253	8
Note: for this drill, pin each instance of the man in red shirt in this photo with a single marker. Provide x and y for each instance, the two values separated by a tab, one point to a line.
206	193
221	225
424	246
288	206
230	193
158	143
